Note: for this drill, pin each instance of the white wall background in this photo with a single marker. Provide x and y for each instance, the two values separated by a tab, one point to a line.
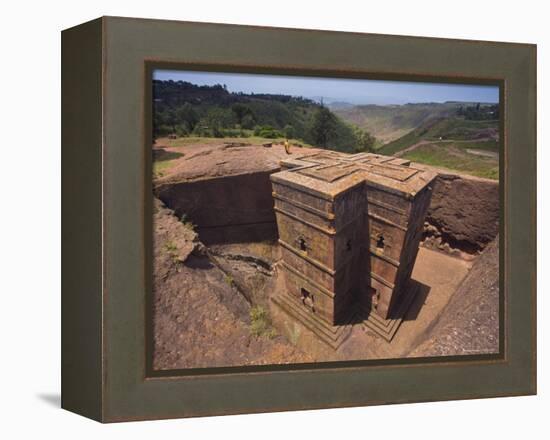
30	218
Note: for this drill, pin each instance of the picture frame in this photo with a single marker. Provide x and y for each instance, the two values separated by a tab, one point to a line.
107	205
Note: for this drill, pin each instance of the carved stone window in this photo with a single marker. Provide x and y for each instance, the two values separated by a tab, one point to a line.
307	299
380	243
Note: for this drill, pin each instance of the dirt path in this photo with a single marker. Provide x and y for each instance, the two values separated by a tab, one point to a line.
425	142
483	153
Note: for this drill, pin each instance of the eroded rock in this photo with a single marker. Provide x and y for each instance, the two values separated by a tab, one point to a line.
470	322
200	317
249	266
464	213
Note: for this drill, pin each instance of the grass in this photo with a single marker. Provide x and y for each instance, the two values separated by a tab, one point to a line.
447	155
403	142
229	280
491	146
449	141
172	251
170	246
163	160
459	129
260	323
160	167
445	128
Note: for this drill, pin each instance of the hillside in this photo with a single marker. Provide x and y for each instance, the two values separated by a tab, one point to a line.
456	135
457	143
444	129
391	122
185	109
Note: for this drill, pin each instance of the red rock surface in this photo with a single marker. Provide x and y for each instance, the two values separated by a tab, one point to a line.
200	319
206	161
470	323
224	189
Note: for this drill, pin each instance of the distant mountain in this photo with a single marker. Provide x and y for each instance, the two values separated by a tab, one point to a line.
390	122
339	105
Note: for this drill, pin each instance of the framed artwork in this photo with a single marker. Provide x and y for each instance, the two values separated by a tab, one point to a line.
264	219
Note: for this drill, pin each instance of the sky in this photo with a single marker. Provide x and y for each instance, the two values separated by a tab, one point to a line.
353	91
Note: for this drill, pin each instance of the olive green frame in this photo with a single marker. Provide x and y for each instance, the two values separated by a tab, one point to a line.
106	215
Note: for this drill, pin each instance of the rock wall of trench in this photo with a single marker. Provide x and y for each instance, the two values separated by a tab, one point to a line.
470	322
226	209
463	214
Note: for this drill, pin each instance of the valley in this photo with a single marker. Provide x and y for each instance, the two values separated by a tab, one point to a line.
461	137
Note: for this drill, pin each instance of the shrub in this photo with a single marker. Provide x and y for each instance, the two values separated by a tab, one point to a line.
217	132
187	223
289	131
231	132
260	323
182	130
172	251
269	133
248	121
170	246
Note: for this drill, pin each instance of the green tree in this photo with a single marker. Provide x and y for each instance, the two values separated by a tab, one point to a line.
182	130
267	131
240	110
170	119
187	116
364	141
217	119
248	121
323	127
289	131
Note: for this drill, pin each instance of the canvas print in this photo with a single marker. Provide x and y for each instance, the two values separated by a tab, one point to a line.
307	219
